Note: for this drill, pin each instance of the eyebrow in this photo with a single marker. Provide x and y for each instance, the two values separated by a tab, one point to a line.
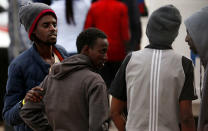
47	22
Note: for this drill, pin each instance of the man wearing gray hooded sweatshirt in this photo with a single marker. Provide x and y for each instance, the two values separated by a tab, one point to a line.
74	96
197	30
156	84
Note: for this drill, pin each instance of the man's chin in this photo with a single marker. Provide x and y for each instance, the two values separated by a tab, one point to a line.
50	43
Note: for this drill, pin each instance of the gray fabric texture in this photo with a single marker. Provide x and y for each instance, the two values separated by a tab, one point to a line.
152	93
197	27
30	13
163	25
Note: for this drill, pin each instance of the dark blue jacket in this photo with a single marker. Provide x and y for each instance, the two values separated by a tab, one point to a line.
25	72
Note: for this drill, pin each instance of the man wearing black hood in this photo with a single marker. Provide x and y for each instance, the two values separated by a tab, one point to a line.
29	68
156	84
197	30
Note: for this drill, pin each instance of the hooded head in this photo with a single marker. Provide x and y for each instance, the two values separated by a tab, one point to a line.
31	13
163	26
197	27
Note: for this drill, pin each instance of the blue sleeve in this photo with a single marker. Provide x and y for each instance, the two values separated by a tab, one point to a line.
14	94
34	114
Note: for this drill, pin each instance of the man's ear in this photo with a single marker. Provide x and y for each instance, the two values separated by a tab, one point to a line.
85	50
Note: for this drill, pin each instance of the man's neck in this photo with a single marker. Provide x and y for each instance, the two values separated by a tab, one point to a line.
46	52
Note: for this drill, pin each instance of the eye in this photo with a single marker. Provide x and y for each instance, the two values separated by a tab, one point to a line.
45	25
54	25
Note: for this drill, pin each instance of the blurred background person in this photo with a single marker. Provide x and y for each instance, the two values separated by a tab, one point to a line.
135	11
134	25
71	17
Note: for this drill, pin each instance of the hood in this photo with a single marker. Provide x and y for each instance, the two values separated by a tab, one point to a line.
163	26
197	26
70	65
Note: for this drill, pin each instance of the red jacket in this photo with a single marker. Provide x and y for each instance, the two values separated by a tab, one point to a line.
111	16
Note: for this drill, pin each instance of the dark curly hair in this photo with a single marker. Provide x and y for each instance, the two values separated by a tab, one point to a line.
88	37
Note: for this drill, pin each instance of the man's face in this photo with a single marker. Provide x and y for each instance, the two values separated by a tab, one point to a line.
46	30
190	43
98	53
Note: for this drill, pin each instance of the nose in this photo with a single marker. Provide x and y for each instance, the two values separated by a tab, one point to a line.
52	27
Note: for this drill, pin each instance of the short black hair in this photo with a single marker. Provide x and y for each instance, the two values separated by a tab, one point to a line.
88	37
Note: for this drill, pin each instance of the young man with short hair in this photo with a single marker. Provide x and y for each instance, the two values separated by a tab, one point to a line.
111	16
30	68
75	95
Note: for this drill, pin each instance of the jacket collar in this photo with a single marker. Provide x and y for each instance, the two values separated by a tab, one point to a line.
159	47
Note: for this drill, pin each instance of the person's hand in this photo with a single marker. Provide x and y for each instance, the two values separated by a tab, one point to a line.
34	94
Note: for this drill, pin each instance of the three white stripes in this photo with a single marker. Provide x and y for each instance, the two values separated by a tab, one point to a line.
154	90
